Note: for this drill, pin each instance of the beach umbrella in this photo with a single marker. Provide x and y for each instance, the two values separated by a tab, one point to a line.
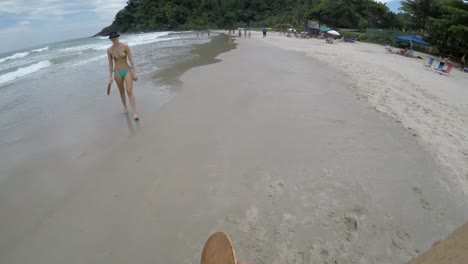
414	39
333	32
325	29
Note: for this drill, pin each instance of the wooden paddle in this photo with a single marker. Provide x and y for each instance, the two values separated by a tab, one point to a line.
218	250
108	88
453	250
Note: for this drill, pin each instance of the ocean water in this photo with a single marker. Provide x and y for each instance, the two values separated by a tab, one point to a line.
53	101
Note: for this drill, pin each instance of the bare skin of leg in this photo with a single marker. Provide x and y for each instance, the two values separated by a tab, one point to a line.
120	83
131	97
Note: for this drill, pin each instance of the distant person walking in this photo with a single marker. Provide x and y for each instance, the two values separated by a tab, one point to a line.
119	56
463	63
264	32
229	36
249	33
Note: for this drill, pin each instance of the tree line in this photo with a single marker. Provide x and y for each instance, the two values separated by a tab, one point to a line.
443	23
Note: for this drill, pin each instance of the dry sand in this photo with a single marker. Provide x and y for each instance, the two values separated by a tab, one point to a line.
432	106
269	145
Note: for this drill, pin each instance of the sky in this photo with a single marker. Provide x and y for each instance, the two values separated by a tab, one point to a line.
392	4
28	23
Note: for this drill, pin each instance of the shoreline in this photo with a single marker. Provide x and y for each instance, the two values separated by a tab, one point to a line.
205	54
47	163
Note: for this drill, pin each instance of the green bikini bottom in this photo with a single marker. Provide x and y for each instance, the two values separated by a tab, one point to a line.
124	72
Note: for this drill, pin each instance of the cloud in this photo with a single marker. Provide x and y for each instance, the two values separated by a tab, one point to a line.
18	27
47	9
24	23
9	7
107	9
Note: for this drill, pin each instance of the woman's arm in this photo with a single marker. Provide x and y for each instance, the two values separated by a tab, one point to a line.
111	65
130	59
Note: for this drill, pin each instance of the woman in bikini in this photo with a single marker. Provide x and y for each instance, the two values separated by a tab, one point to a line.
119	55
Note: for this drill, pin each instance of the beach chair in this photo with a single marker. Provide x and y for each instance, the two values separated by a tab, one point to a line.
440	67
430	62
448	70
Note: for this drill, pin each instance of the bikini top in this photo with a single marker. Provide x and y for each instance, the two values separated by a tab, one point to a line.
122	52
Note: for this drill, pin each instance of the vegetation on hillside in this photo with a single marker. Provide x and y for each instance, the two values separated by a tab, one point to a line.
442	22
147	15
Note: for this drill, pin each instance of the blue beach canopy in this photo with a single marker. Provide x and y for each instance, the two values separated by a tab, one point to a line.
414	39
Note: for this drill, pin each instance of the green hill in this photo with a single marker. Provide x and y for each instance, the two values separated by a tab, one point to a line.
153	15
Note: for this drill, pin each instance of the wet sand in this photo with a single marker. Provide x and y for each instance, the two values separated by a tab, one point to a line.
268	145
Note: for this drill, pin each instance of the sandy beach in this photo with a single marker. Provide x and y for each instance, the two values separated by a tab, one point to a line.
431	106
282	144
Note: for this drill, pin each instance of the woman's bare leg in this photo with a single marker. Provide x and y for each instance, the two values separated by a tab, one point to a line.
120	83
131	97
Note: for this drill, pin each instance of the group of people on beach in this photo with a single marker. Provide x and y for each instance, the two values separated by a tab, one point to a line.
446	61
409	52
202	32
122	67
239	32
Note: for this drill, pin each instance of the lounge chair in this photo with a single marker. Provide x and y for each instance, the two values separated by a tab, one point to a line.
448	70
430	62
440	67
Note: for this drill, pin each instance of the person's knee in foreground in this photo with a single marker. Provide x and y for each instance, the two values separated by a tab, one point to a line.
120	56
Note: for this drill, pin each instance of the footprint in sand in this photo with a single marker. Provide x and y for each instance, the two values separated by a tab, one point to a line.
250	220
401	240
351	225
417	190
351	222
426	205
288	224
276	189
327	173
347	223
